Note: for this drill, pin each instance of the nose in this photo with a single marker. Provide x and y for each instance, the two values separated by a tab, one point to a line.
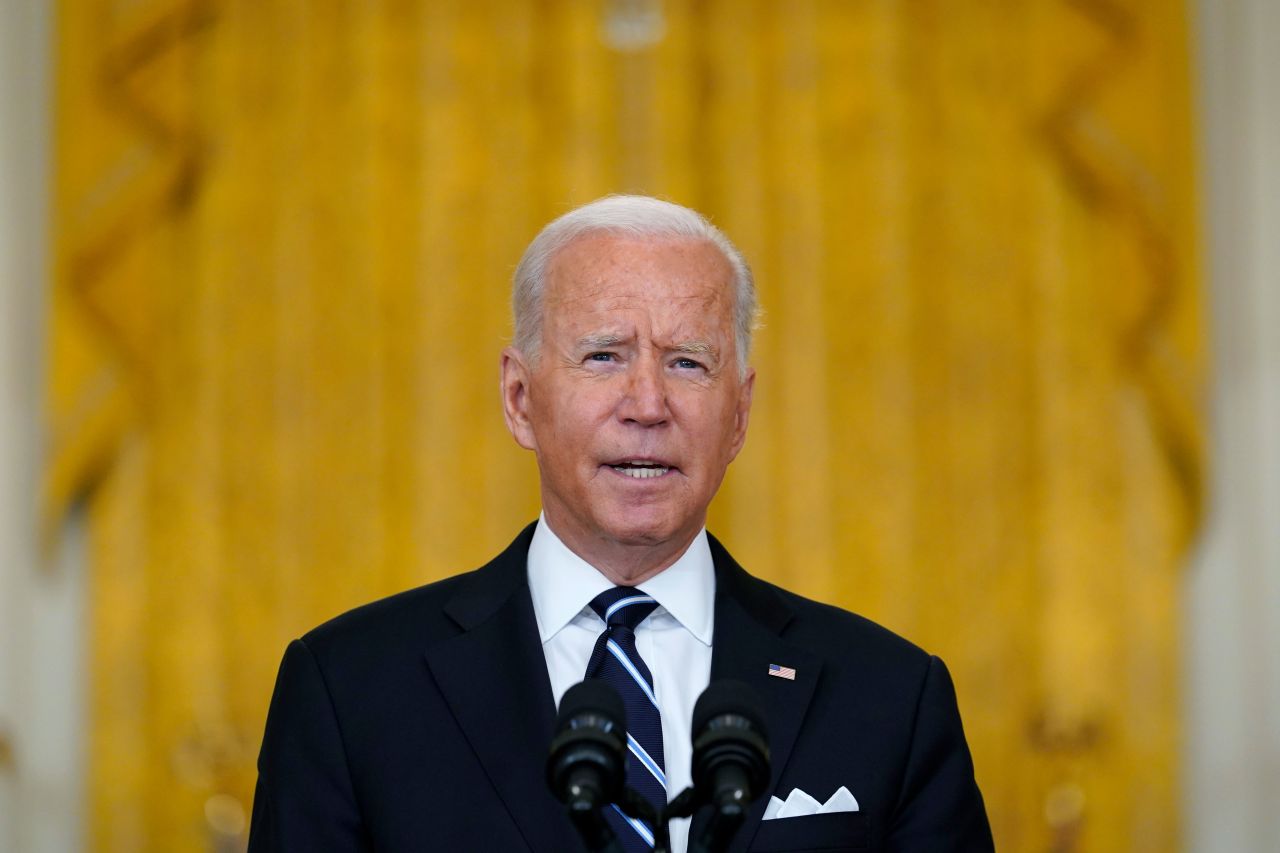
645	402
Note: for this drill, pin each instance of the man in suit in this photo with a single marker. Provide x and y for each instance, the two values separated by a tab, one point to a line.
421	722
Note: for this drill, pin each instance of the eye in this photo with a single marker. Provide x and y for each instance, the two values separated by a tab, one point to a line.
602	356
687	364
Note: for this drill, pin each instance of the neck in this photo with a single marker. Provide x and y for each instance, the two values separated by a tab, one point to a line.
623	563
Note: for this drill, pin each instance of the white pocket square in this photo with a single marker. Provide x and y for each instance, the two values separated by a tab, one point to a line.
798	803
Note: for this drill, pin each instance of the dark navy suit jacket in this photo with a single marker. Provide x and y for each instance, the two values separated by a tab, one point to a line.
421	723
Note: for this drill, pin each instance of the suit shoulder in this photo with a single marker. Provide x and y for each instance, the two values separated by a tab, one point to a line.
409	607
849	636
421	616
381	631
825	628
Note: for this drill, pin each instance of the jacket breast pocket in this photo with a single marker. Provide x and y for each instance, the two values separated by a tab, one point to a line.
831	832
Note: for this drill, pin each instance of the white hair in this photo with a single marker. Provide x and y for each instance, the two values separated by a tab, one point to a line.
631	216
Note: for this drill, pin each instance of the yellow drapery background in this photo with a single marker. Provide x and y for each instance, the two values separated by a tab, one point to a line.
284	234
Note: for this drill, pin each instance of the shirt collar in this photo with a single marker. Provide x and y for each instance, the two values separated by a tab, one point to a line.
562	584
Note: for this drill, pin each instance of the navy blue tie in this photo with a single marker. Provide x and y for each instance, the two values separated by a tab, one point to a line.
616	661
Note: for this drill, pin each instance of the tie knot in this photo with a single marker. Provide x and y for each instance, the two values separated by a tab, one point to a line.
623	606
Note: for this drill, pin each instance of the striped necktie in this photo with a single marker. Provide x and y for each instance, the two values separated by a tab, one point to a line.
616	661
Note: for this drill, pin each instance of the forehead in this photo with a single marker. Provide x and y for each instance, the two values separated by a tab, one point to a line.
602	272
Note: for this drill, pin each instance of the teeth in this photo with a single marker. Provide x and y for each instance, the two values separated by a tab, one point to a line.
640	470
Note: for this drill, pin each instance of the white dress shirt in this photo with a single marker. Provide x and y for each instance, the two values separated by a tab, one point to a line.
675	641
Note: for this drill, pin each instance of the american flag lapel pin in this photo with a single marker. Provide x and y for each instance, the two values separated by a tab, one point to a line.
782	672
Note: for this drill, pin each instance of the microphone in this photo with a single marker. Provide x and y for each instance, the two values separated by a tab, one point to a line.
730	758
586	766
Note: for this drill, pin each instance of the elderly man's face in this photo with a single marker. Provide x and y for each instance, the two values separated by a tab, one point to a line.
635	407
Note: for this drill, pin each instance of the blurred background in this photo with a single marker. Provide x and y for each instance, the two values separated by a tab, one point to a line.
1018	396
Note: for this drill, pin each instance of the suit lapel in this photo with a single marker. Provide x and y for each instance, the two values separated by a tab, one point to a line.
494	677
750	617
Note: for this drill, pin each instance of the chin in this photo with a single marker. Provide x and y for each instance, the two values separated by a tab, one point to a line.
631	534
632	531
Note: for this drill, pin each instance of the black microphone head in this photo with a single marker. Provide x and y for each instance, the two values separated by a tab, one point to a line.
586	763
730	764
729	697
592	697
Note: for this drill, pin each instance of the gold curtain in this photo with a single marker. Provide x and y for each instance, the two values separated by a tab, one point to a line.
284	235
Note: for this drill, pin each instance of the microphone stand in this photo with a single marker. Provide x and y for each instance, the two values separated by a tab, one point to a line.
719	830
599	837
596	833
636	806
684	805
725	820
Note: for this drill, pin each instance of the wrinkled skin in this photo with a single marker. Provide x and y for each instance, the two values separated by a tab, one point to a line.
638	364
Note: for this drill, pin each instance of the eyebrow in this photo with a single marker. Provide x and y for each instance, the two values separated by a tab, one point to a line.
593	342
599	341
696	348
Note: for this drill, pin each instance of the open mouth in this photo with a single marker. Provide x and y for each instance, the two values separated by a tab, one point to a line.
640	470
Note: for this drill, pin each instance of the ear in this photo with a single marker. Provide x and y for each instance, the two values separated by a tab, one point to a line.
743	413
515	398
